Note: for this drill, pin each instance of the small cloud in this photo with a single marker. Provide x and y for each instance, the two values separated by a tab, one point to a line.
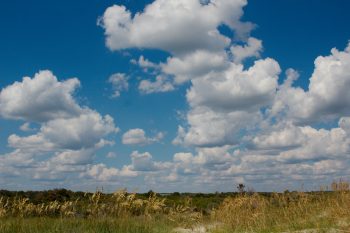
146	64
138	137
111	155
26	127
161	84
119	83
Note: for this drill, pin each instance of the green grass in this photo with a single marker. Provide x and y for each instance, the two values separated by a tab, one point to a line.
107	225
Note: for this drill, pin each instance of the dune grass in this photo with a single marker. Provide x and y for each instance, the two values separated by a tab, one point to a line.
289	212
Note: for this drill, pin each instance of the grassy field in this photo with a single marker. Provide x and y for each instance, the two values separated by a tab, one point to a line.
66	211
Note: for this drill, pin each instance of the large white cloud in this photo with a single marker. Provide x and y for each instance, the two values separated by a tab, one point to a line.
68	137
225	104
248	108
40	98
327	98
83	131
176	26
212	128
320	144
237	89
281	136
188	30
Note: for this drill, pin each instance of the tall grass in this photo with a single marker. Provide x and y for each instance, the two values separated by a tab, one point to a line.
289	211
126	213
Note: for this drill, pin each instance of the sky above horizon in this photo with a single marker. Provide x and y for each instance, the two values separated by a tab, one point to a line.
174	95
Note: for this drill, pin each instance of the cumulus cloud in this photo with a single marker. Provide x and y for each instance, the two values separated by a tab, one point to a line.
74	157
280	136
319	144
184	26
209	128
138	137
40	98
194	65
69	134
278	159
119	83
327	97
188	30
230	106
237	89
142	161
101	172
223	105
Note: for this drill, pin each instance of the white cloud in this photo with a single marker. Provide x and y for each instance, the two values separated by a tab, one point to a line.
253	48
212	128
319	144
184	25
193	65
327	97
40	98
74	157
188	30
142	161
146	64
26	127
69	135
119	83
138	137
101	172
249	109
237	89
224	105
281	136
161	84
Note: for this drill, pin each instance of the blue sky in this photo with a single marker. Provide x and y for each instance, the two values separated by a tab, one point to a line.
258	132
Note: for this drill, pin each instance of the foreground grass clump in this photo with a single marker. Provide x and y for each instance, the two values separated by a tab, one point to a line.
324	211
289	211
